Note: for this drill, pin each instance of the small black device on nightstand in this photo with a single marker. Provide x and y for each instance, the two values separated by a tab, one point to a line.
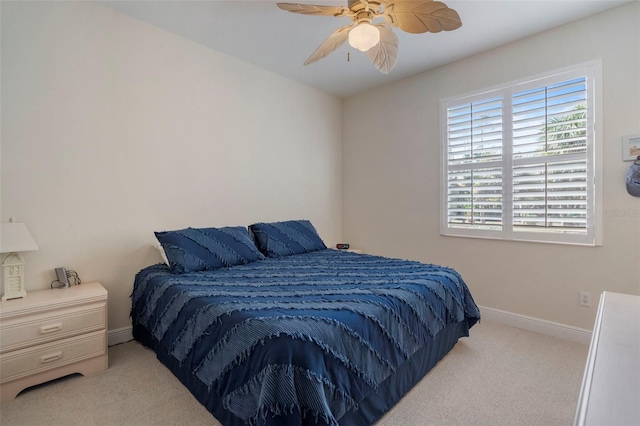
342	246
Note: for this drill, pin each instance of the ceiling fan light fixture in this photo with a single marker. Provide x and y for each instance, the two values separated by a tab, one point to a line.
378	41
364	36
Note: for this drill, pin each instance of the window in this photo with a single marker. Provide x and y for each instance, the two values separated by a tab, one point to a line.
519	160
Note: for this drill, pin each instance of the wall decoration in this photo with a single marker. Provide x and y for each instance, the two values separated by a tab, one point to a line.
633	178
630	147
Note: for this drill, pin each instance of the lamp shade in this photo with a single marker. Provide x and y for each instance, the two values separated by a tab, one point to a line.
364	36
15	237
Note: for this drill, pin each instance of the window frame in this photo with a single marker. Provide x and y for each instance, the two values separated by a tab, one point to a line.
593	237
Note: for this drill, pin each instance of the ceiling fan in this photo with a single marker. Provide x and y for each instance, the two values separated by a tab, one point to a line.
378	40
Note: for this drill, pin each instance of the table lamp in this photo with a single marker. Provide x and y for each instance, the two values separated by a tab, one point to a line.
14	238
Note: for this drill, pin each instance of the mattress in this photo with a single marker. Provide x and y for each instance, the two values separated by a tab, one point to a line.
321	338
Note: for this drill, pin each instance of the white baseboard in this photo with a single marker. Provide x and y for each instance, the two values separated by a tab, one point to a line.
119	335
537	325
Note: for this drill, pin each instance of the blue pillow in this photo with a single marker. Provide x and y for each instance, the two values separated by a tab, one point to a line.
191	249
279	239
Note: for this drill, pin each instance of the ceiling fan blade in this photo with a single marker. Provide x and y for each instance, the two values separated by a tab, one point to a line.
311	9
421	16
384	55
334	41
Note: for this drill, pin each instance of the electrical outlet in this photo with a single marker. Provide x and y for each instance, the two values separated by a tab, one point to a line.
585	298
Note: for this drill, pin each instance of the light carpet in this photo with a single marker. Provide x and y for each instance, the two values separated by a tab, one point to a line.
498	376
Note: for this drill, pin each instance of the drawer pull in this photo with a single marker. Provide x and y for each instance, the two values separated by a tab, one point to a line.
51	328
51	357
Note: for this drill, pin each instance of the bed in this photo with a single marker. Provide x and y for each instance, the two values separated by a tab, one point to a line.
321	337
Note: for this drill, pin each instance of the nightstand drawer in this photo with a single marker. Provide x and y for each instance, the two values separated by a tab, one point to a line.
40	328
26	362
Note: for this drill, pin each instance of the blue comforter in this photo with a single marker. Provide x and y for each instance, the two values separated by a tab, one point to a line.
302	337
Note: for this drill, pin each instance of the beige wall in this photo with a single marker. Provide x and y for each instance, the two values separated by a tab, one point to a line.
391	175
112	129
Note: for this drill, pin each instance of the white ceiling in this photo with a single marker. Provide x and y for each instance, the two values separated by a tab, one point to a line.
260	33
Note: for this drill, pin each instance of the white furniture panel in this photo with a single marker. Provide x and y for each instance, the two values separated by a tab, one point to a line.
610	392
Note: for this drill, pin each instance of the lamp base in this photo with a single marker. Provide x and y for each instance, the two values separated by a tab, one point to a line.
13	267
8	295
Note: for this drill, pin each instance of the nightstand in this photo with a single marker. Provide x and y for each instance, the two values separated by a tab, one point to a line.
50	334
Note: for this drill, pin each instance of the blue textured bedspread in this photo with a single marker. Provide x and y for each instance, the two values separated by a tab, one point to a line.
296	340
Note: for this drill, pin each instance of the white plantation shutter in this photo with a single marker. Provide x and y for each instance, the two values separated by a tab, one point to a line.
519	161
551	196
550	128
474	180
